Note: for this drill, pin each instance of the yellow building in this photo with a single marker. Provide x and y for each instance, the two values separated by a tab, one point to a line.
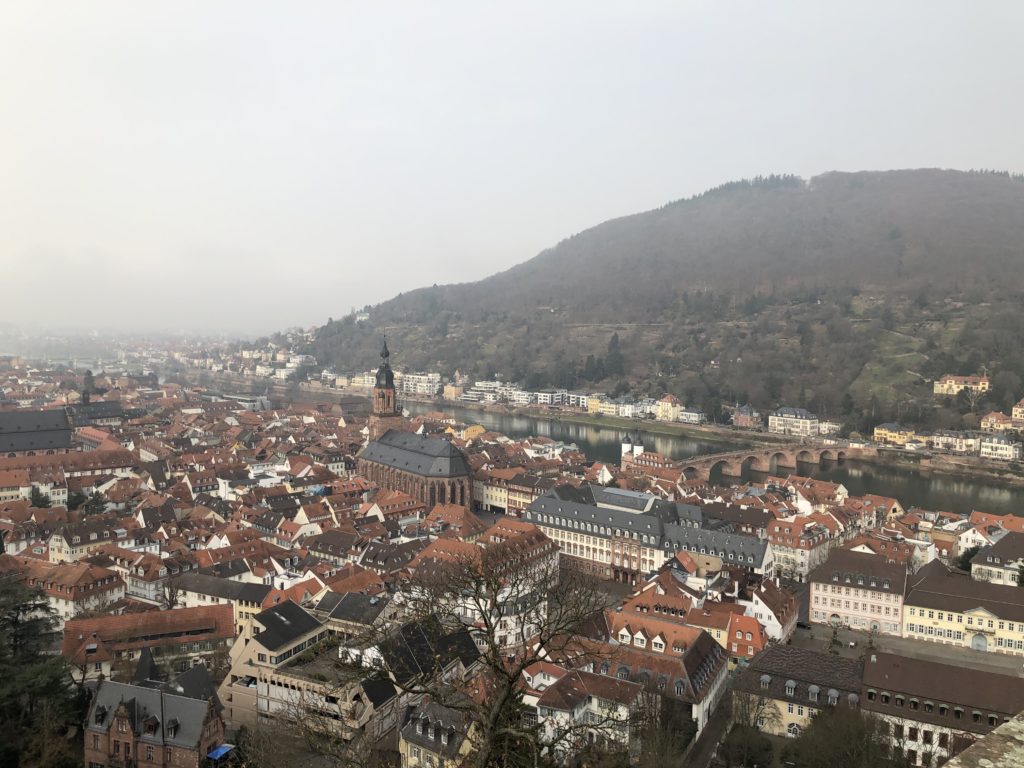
667	408
1017	415
466	433
893	434
594	403
784	687
944	605
452	392
954	385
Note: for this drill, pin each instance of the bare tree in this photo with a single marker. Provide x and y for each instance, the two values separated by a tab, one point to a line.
520	608
752	714
170	594
515	605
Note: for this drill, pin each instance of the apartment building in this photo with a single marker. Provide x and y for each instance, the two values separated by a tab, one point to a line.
858	590
793	421
944	605
785	686
932	711
624	535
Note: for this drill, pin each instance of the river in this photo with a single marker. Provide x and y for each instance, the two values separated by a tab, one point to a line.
912	487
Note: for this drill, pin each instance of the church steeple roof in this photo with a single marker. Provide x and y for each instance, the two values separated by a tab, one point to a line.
385	376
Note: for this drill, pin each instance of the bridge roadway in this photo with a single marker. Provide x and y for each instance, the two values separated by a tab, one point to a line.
733	463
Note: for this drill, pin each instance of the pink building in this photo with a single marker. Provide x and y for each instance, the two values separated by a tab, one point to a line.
859	590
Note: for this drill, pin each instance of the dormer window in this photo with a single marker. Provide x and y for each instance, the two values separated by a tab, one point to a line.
790	687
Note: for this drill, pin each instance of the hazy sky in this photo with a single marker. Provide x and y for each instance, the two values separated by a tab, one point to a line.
246	166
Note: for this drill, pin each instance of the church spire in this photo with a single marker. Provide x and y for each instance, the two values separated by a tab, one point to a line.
385	376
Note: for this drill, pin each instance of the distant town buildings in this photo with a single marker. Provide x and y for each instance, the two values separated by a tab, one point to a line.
793	421
953	385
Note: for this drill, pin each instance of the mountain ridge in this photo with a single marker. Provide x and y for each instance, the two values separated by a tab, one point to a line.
849	257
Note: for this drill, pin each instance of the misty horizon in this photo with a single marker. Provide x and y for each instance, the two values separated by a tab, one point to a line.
241	169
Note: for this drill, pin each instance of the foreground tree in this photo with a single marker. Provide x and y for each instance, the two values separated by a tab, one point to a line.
746	745
37	703
518	608
841	737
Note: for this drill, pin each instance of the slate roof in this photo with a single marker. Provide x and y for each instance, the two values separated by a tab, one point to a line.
938	586
424	648
353	607
206	584
283	624
779	665
793	413
86	413
951	684
143	703
863	570
436	720
418	454
666	525
34	431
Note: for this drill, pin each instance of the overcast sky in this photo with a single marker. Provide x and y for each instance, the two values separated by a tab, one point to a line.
247	166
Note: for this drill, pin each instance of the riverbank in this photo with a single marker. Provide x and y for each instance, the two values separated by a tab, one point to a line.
956	467
972	467
711	432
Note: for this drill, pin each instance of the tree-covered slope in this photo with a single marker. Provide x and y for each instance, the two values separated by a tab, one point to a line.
844	293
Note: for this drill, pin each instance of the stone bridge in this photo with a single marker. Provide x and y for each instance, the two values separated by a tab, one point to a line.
761	459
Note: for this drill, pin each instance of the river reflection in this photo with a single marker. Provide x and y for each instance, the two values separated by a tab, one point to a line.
599	443
912	487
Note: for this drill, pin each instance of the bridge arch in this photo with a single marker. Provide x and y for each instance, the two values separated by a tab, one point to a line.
690	472
781	459
806	457
722	464
754	462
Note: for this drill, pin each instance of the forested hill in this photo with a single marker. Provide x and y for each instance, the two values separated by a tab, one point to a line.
841	293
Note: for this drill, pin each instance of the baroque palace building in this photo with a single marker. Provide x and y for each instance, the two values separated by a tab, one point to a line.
430	469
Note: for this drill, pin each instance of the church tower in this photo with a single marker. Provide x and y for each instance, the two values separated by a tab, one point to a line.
385	402
385	414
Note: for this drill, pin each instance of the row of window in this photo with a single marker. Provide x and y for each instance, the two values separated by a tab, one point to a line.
837	590
857	606
929	707
924	629
990	623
